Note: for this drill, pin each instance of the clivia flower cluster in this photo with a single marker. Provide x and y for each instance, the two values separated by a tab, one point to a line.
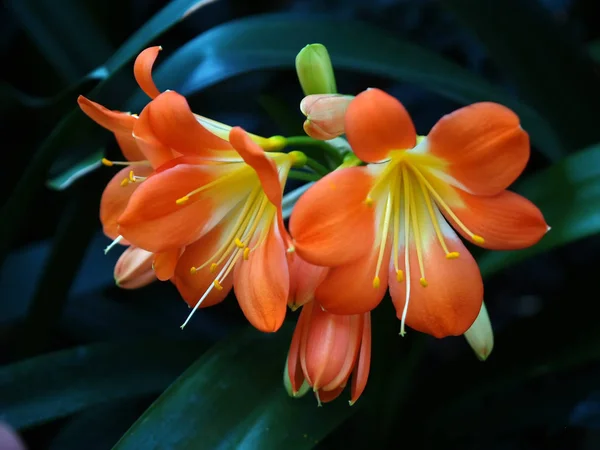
199	203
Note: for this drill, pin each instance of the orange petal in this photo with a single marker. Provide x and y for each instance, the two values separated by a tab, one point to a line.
262	283
153	150
452	299
115	198
348	289
111	120
329	348
328	396
484	144
377	123
133	269
193	286
506	221
294	368
142	71
129	146
154	221
331	223
174	124
363	366
165	263
304	279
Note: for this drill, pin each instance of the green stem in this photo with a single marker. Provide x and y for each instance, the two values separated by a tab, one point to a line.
305	176
308	142
317	167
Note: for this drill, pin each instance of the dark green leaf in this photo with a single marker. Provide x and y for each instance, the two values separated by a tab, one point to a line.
553	75
232	398
568	194
67	34
272	42
59	384
76	171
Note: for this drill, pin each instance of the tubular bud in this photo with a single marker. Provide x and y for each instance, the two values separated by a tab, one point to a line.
315	71
480	336
325	115
134	268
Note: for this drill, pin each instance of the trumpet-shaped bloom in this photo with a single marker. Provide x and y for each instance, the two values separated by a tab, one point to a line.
216	213
391	222
327	349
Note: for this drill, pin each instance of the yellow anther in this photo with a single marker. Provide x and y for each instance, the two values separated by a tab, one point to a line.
452	255
478	239
399	276
125	182
217	285
369	201
182	200
423	282
239	243
213	267
107	162
376	282
246	254
193	271
131	176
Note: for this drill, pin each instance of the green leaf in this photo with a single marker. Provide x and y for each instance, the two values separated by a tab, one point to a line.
272	42
58	384
76	171
67	35
75	127
568	194
232	398
561	83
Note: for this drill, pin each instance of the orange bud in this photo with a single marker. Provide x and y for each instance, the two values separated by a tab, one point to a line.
304	280
134	268
325	115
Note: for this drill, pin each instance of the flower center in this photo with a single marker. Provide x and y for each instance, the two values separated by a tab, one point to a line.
409	204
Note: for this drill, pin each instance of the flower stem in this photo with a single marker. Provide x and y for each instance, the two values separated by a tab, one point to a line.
305	176
317	167
308	142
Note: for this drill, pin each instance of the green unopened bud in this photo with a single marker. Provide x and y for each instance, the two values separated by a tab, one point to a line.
315	71
480	336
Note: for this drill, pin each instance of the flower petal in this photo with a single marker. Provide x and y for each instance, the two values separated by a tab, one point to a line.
293	365
304	280
129	146
133	269
262	283
506	221
363	366
154	221
452	299
377	123
174	124
142	71
193	286
328	396
165	262
484	144
329	347
153	150
331	223
349	289
325	114
116	197
481	336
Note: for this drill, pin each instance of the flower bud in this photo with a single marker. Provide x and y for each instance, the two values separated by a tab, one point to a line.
304	280
134	268
480	336
314	70
325	115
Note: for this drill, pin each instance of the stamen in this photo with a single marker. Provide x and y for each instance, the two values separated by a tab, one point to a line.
210	185
417	231
112	244
213	267
109	163
399	276
385	232
239	243
218	286
476	238
106	162
406	250
452	255
369	201
246	253
193	271
182	200
396	231
131	177
125	182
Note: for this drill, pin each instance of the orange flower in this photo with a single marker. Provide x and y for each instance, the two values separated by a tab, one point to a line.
221	201
326	349
389	222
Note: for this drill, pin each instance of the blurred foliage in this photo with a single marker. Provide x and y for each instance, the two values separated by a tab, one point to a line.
81	356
